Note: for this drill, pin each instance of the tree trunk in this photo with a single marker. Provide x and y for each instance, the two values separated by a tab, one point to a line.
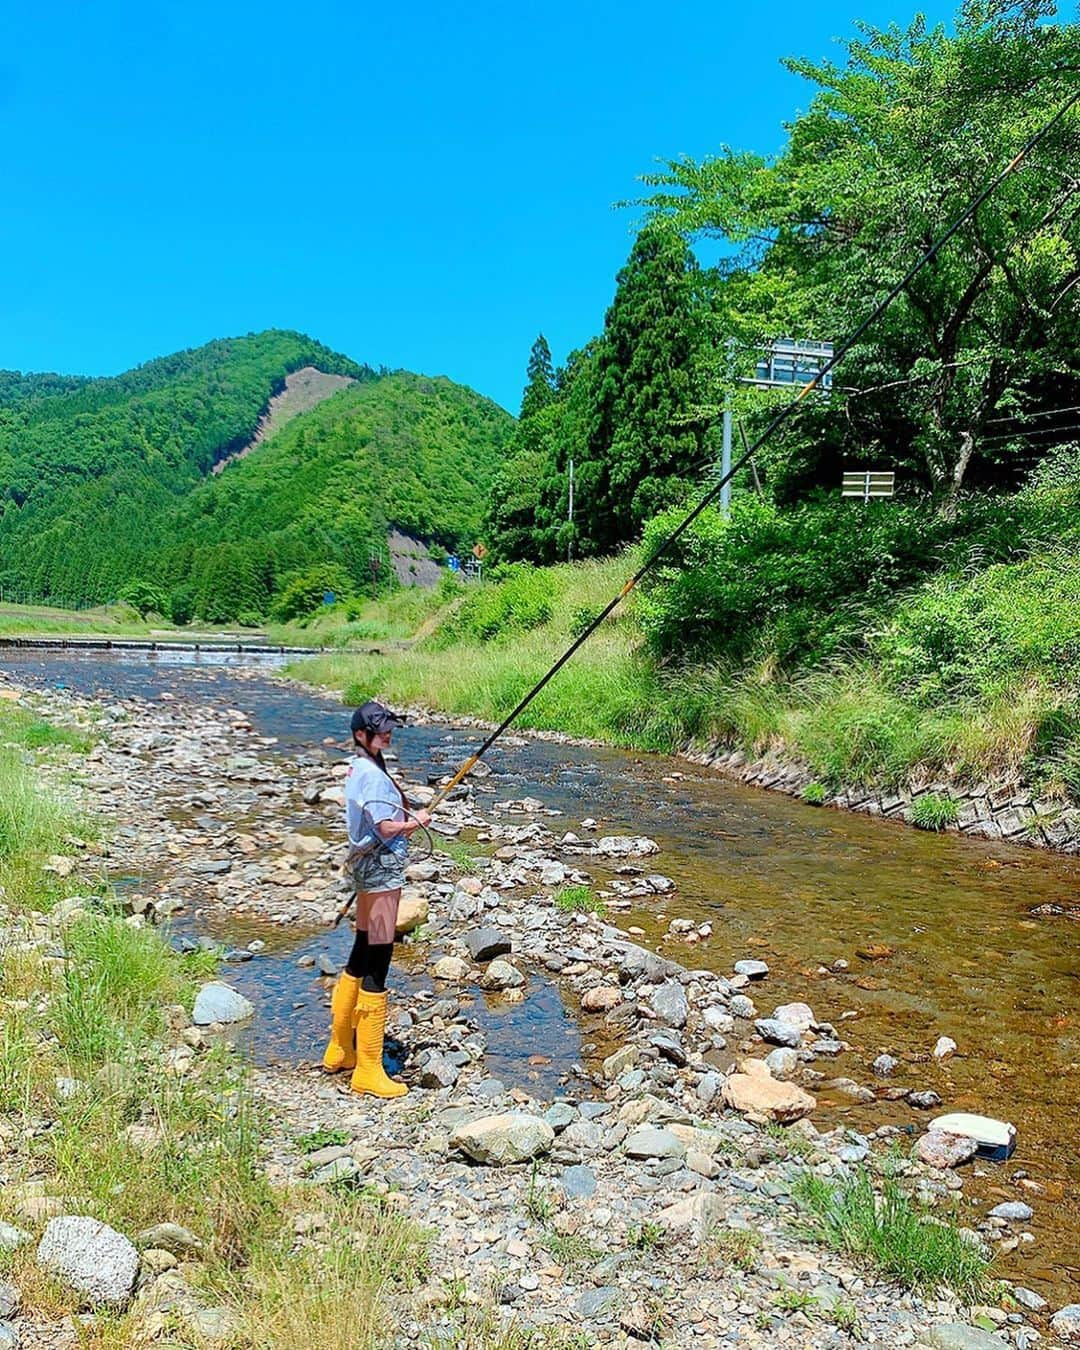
959	468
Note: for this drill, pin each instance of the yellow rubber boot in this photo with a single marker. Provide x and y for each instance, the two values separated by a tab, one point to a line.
369	1075
340	1053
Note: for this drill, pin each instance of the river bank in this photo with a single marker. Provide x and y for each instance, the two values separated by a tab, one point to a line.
211	823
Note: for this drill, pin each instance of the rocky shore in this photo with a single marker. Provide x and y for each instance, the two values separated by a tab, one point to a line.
656	1201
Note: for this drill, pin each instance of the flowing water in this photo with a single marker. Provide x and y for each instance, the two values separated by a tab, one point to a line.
973	940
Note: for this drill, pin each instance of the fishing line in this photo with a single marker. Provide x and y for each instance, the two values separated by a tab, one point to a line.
781	418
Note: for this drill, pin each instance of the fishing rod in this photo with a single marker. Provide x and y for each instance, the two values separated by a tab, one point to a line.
780	419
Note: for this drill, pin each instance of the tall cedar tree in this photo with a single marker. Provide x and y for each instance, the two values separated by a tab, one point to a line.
512	525
638	440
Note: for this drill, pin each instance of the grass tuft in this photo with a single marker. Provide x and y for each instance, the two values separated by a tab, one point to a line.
934	811
579	900
888	1232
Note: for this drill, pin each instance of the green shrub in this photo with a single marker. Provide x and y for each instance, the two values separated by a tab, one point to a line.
522	601
934	811
145	597
965	636
180	606
812	578
814	794
302	593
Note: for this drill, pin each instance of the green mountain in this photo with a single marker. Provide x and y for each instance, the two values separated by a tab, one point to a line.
110	484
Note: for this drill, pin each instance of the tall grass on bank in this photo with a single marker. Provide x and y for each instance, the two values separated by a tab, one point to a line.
964	678
30	820
888	1232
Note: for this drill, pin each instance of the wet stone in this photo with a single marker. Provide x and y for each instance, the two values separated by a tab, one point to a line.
938	1149
485	944
885	1065
741	1006
753	970
925	1101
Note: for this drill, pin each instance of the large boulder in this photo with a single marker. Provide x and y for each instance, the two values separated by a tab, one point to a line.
216	1002
755	1093
96	1260
500	1140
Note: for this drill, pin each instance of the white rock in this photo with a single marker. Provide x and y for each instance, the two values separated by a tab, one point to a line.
216	1002
93	1258
799	1014
945	1047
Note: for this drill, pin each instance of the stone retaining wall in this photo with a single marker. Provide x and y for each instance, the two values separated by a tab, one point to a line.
999	809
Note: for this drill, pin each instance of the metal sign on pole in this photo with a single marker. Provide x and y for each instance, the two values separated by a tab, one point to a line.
867	483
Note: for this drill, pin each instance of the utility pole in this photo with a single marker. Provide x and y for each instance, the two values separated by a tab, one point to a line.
570	514
725	444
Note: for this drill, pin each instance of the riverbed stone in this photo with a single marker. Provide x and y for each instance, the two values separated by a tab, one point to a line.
450	968
620	1060
504	1139
800	1015
170	1237
9	1299
885	1065
412	911
1012	1211
647	1141
753	970
776	1032
93	1258
502	975
485	944
1065	1324
1028	1298
741	1006
757	1095
783	1062
216	1002
941	1150
601	998
9	1337
578	1182
961	1336
12	1238
670	1004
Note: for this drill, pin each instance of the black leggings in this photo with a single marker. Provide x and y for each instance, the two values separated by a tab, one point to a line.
370	963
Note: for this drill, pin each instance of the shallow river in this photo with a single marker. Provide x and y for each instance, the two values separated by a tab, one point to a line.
797	886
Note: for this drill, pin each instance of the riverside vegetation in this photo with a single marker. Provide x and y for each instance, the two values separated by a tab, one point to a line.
866	643
261	1254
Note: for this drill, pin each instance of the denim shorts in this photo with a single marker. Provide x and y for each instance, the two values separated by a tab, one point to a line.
380	870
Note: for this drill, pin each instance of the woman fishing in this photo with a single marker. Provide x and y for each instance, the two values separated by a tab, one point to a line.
379	822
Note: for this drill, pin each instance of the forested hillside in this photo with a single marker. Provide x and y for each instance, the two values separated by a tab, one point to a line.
106	488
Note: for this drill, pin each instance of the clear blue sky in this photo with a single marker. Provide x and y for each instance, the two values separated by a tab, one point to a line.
424	185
